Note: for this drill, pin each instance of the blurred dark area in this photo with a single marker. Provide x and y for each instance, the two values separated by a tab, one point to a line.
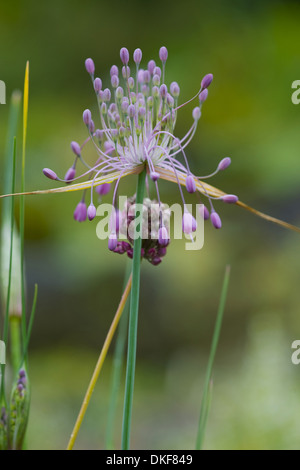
252	48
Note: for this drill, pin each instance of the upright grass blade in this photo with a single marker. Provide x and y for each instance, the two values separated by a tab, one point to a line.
133	322
117	369
206	399
22	202
6	319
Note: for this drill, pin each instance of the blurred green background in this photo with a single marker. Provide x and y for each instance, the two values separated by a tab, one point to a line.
252	48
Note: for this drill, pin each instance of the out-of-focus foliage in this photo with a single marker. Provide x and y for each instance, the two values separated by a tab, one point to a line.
252	48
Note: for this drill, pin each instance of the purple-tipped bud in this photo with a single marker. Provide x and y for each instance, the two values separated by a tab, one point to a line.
87	117
142	113
147	76
106	94
156	80
189	223
230	198
90	66
205	213
119	93
196	114
190	184
22	373
126	71
163	54
162	251
50	174
91	212
174	89
103	189
80	213
114	70
114	81
97	85
131	111
215	220
206	81
124	55
203	95
155	91
131	82
137	56
163	91
170	101
156	261
112	241
70	175
20	388
163	236
151	66
92	126
157	71
224	163
75	147
140	76
154	175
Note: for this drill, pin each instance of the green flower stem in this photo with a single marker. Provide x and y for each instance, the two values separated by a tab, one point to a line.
15	338
133	322
117	368
206	399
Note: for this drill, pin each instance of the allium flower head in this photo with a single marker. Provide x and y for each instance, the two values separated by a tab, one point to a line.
137	118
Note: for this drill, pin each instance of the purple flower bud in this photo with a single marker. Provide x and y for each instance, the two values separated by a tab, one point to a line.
203	95
163	236
103	189
70	175
124	55
190	184
108	147
140	76
137	56
112	241
91	212
20	388
22	373
131	111
155	91
99	134
106	94
126	71
114	81
163	91
163	54
154	175
97	85
114	70
131	82
157	71
119	93
170	101
206	81
174	88
224	163
196	114
230	198
50	174
151	66
80	213
189	223
156	80
92	126
156	261
215	220
147	76
75	148
90	66
205	213
142	113
87	117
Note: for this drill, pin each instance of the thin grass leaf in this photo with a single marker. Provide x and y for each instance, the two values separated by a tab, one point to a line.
22	202
206	399
117	368
6	319
30	325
